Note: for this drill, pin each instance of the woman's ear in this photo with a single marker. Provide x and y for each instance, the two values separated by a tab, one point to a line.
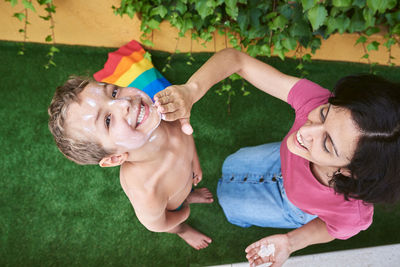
113	160
344	171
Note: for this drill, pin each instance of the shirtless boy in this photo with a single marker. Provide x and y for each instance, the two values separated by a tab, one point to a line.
99	123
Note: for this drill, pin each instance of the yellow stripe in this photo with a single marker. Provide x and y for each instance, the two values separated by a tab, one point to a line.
133	72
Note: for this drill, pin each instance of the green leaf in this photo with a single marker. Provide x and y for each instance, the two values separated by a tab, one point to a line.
307	4
253	50
369	17
160	10
372	30
341	3
357	23
45	18
54	49
28	5
48	38
388	44
279	23
255	15
153	24
373	46
300	29
306	58
365	56
146	42
13	2
396	29
317	16
147	56
204	8
51	9
315	44
300	66
341	23
130	11
280	53
361	40
19	16
265	50
289	43
359	3
271	15
243	20
181	7
231	8
381	5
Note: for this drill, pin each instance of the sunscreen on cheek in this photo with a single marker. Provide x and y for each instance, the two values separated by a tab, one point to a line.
91	102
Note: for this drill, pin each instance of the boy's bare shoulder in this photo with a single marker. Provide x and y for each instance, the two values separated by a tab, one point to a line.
142	189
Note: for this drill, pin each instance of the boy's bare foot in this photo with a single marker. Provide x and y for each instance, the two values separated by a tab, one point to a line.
200	195
193	237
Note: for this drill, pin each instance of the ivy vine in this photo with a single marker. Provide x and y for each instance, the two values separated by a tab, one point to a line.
22	16
266	28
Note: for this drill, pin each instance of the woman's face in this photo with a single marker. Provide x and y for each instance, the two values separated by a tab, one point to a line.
328	138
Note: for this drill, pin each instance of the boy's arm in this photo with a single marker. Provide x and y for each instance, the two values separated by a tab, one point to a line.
197	172
153	214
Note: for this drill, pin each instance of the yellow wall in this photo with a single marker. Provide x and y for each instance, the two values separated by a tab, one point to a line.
92	22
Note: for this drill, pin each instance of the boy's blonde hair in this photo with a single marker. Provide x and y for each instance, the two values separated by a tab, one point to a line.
80	151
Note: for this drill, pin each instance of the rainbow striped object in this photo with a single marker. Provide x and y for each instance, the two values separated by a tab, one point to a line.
127	67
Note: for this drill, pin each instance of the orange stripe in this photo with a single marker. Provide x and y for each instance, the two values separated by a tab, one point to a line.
124	65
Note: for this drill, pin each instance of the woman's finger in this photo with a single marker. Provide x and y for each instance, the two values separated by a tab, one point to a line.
172	116
164	100
163	93
252	253
254	245
168	108
185	126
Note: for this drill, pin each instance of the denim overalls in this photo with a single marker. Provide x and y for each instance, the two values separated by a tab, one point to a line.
251	190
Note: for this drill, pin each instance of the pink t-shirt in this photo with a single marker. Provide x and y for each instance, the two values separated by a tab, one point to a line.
343	219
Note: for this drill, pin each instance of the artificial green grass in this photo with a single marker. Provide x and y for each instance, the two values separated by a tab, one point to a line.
56	213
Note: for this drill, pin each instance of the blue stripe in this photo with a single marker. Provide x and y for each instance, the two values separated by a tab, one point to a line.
145	78
156	86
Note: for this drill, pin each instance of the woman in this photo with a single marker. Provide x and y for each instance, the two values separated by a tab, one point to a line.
338	159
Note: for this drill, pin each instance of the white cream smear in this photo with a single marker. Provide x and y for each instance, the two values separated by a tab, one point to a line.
91	102
133	142
87	117
266	251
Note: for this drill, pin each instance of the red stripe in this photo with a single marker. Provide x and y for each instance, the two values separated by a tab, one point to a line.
115	57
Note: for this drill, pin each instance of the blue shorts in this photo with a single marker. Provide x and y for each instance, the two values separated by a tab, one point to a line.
251	190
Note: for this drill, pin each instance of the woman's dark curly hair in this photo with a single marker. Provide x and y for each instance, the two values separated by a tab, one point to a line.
375	167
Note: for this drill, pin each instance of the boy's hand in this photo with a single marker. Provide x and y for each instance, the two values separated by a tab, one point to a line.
175	102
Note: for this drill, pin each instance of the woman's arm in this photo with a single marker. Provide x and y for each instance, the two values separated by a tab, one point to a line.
314	232
175	102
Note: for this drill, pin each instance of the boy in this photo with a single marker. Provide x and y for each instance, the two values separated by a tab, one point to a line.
100	123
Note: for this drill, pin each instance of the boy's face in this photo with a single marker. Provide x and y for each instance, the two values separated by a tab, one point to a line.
118	118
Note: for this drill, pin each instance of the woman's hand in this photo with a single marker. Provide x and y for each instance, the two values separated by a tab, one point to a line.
175	102
281	254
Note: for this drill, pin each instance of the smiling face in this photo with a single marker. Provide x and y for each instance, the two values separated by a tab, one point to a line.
118	118
328	138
